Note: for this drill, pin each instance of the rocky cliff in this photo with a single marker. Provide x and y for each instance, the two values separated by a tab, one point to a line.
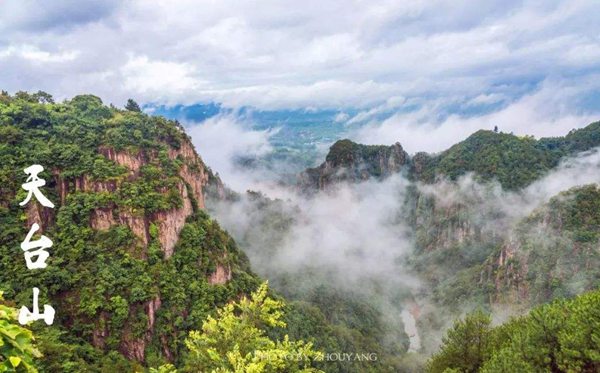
553	253
136	262
351	162
513	161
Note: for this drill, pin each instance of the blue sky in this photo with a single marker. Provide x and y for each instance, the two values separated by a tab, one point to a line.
425	73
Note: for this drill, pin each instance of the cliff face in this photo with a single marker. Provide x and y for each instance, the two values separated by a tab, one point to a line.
553	253
459	245
192	179
349	161
513	161
136	262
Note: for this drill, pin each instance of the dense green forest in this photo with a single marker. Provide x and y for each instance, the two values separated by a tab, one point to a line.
126	295
562	336
515	161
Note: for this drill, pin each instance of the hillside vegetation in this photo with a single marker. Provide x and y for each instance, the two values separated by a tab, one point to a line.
136	262
563	336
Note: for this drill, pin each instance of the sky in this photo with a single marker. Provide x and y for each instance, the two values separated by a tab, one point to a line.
425	73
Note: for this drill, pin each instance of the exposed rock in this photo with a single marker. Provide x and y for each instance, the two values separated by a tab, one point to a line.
132	161
165	343
102	219
39	214
62	185
137	224
196	179
221	275
171	222
133	348
85	184
100	332
349	161
152	307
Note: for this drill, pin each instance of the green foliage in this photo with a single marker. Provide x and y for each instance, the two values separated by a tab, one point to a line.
132	106
17	349
166	368
512	160
563	336
102	281
236	340
466	346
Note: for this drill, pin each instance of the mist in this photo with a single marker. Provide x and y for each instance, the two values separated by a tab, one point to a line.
359	238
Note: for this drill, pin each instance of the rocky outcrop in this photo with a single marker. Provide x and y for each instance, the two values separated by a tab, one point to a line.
138	224
193	172
102	219
133	162
135	348
441	225
172	221
507	272
39	214
194	177
100	332
221	275
351	162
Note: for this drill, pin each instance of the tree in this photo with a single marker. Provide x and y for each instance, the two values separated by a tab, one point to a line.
167	368
466	346
563	336
132	106
236	340
16	343
43	97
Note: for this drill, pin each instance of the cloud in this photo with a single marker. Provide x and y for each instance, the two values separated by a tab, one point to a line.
357	238
158	77
278	55
35	55
223	140
549	111
36	16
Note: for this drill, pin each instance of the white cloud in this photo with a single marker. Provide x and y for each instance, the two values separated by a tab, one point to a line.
222	139
544	113
168	79
35	55
277	54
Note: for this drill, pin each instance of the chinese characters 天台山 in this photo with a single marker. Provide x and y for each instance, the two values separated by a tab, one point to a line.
36	249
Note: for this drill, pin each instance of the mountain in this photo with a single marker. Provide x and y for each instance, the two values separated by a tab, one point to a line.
349	161
514	161
483	226
136	262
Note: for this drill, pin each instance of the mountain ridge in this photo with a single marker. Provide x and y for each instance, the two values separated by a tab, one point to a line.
515	161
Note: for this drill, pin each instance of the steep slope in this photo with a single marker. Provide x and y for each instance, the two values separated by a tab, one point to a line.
555	252
136	262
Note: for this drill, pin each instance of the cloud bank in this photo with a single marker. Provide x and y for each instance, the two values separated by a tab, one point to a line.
275	54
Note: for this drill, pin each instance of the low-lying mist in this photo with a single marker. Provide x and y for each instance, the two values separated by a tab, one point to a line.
361	238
